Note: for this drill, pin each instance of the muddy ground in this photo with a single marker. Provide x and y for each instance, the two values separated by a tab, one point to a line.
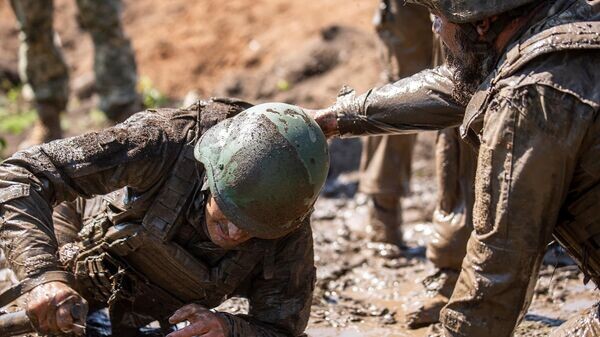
302	53
364	288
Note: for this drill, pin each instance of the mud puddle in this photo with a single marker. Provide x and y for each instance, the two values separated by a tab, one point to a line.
364	289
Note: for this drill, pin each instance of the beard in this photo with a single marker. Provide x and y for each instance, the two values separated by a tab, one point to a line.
473	64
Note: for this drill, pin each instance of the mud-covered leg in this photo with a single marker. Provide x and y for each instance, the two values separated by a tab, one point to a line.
385	176
452	225
114	61
42	67
406	47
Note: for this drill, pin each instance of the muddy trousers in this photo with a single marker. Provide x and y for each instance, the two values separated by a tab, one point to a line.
406	48
452	220
43	67
385	175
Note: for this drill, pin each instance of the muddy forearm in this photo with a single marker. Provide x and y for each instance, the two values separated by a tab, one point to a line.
417	103
26	234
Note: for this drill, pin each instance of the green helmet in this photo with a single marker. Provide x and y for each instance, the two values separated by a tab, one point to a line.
265	167
463	11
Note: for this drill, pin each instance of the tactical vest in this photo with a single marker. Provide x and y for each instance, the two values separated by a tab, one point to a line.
138	261
580	234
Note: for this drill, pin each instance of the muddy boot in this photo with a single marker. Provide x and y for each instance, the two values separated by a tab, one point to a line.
384	225
425	310
47	127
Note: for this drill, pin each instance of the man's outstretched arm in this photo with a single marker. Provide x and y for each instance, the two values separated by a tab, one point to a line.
417	103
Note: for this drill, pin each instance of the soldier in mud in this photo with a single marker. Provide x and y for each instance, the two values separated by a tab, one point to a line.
405	33
194	208
522	82
385	166
43	67
451	221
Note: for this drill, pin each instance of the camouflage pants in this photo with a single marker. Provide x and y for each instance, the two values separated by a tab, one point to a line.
43	67
405	33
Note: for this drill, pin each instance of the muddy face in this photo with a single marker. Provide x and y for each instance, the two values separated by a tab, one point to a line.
221	231
472	61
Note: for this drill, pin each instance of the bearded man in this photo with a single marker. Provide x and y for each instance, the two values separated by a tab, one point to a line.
523	82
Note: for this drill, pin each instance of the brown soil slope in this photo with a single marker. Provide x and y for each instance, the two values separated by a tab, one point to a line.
191	45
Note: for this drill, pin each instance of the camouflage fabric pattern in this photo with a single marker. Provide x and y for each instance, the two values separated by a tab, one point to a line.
42	65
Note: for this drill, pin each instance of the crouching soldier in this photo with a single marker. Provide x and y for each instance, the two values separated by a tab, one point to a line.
193	206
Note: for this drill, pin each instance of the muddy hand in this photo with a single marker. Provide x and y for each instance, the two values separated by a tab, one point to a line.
55	307
203	322
327	120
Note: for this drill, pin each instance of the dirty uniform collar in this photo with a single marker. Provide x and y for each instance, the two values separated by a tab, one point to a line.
473	119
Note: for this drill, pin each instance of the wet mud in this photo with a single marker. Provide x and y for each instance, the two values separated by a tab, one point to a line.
364	289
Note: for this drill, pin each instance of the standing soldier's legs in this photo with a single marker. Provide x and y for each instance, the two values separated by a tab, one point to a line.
405	33
385	175
114	61
42	67
452	225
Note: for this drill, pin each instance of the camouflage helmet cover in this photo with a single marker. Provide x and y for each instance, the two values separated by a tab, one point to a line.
265	167
463	11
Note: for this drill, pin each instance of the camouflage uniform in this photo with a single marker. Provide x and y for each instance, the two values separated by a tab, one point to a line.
405	33
148	234
535	121
43	67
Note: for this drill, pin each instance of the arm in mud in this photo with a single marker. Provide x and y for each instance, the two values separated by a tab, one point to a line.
136	153
526	161
280	305
417	103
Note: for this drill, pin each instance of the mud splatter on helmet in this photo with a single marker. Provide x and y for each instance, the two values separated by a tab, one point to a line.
463	11
265	167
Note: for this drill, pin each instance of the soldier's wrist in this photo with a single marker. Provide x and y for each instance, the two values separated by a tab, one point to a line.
224	319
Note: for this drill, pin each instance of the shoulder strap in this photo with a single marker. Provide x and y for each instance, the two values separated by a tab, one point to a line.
571	36
173	196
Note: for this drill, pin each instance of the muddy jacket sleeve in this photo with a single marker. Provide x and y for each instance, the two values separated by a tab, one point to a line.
417	103
280	298
136	153
528	154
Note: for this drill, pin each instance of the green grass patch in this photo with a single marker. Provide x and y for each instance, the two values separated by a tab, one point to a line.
15	122
151	96
16	115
